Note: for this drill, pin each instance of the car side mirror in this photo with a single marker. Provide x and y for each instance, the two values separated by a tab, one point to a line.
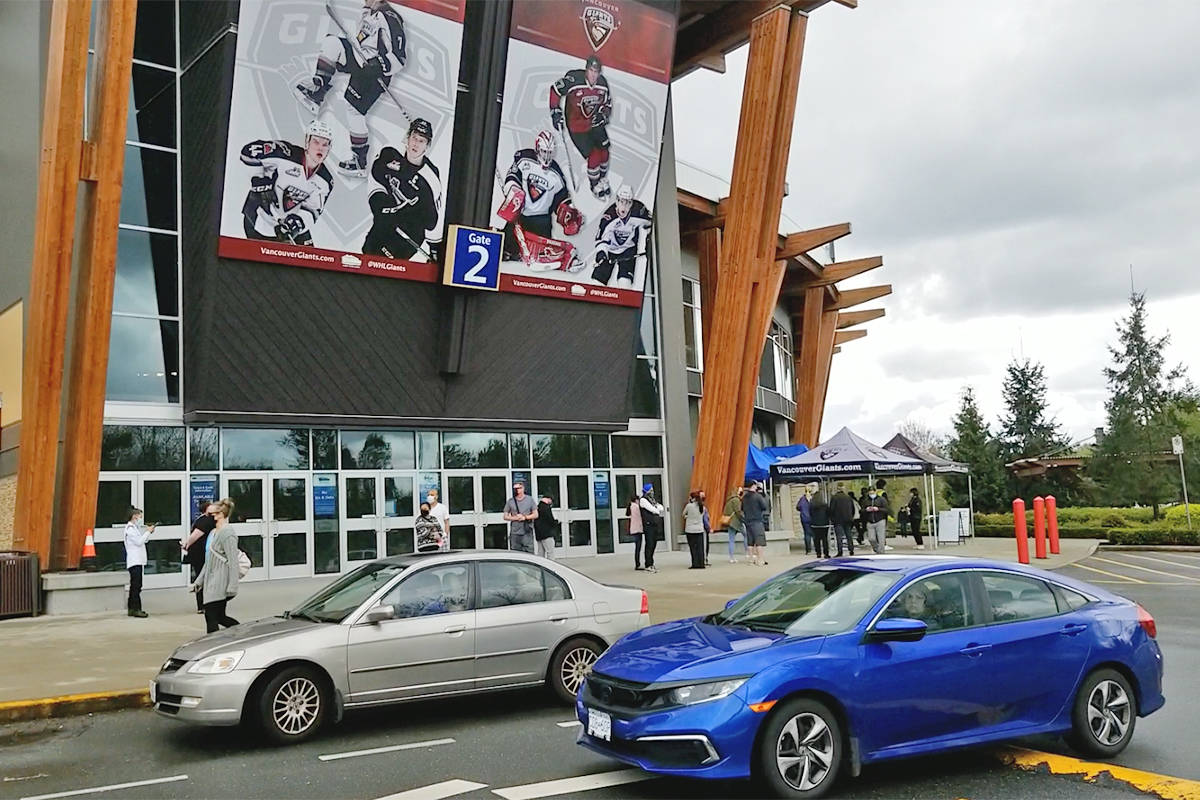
731	602
898	629
380	613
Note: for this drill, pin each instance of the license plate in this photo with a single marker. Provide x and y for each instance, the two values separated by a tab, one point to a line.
153	692
599	725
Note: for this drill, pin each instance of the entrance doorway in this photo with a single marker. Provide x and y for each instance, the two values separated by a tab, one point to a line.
378	511
475	500
627	484
574	508
161	496
272	516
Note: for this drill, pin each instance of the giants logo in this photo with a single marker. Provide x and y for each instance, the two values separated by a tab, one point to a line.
537	185
599	21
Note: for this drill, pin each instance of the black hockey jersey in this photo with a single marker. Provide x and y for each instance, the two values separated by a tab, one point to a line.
405	197
586	106
621	237
545	187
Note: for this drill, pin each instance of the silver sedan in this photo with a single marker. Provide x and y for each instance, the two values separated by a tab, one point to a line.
398	629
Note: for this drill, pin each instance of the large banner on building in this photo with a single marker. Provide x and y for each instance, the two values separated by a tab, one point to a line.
339	134
585	96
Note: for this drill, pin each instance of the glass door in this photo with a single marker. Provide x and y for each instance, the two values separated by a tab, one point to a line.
361	518
476	501
571	491
289	522
494	491
249	495
399	511
162	497
115	496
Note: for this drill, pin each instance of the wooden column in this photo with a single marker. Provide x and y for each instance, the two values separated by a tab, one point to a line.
748	248
808	359
709	255
815	402
97	273
50	280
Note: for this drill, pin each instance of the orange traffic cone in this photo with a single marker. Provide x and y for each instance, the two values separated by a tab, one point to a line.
89	545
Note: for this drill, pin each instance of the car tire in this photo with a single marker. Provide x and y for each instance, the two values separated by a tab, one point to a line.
800	749
1104	714
292	705
570	665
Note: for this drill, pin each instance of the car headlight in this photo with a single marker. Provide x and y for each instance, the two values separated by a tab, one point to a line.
218	664
702	692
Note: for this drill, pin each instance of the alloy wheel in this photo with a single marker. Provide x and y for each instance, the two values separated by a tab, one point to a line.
1109	712
576	666
296	706
804	751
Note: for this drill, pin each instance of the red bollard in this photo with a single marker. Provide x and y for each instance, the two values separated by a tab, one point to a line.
1039	527
1019	530
1052	519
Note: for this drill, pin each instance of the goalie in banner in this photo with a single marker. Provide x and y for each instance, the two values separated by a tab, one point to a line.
535	195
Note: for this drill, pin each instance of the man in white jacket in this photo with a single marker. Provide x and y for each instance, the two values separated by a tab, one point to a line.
135	559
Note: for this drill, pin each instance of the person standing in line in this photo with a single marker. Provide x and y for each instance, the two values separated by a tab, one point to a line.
135	558
438	511
762	489
876	512
820	524
804	506
429	531
637	530
544	527
218	580
863	502
693	528
914	517
732	521
753	510
520	511
707	528
653	515
841	513
195	544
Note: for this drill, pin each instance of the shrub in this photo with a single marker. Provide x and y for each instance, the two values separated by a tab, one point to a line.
1113	520
1179	513
1154	536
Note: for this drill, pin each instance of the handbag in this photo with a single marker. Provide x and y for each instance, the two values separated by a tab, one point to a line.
723	521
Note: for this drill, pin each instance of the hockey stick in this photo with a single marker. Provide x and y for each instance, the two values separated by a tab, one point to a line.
409	239
562	137
358	52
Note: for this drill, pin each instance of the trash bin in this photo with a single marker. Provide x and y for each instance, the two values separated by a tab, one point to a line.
20	584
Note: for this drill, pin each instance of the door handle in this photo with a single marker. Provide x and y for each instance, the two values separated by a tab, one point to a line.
975	650
559	618
456	629
1074	629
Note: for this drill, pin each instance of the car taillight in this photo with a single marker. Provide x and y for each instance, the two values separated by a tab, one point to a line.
1147	622
646	606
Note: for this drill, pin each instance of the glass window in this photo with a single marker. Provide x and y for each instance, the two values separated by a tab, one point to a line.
163	557
466	450
556	587
162	501
766	366
637	451
646	329
398	496
142	448
1015	597
399	541
337	600
689	293
361	545
154	33
360	498
324	449
460	495
579	493
602	488
143	360
940	601
247	497
269	448
561	450
691	347
808	600
289	501
378	450
1072	599
644	403
327	556
202	446
600	457
151	117
429	450
147	279
437	590
520	449
148	193
508	583
112	504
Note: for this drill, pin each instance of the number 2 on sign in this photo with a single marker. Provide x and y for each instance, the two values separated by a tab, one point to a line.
481	259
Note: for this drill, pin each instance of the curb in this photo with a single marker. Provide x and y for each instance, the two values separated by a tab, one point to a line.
72	704
1162	548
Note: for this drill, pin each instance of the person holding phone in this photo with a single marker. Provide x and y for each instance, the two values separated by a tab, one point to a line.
135	558
520	512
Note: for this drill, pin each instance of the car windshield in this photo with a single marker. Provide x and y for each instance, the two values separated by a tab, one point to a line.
337	600
808	601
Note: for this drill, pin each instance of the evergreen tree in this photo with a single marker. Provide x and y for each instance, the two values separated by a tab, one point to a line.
1027	430
972	444
1147	404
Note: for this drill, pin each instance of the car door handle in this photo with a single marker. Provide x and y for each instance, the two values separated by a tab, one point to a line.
456	629
975	650
559	618
1074	629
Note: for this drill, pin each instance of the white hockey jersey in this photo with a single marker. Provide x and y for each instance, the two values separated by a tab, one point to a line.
621	237
545	187
381	33
297	191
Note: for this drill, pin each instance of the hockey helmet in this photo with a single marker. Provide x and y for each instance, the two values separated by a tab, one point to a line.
320	129
421	127
593	62
544	146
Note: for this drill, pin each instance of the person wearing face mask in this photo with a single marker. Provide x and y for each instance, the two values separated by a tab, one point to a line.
876	513
431	536
135	558
545	526
196	543
439	512
520	512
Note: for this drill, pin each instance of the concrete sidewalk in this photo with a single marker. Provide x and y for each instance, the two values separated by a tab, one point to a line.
47	657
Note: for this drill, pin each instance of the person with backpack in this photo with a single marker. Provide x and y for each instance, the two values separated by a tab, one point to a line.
653	514
544	527
195	544
218	579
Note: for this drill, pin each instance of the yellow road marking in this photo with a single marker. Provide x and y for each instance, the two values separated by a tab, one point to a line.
1162	561
1165	786
1124	578
1146	569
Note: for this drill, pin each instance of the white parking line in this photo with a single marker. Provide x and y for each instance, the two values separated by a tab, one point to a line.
389	749
582	783
1144	569
436	791
572	724
110	788
1162	561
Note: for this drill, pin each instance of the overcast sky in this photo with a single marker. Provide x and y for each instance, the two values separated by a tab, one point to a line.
1009	160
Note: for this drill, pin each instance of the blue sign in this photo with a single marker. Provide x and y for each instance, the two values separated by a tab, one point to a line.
473	259
204	491
600	489
324	496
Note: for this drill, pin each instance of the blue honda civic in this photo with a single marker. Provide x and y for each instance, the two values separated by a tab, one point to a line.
850	661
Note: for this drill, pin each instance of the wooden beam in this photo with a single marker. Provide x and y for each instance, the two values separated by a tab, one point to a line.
801	242
709	257
695	202
820	391
842	337
717	32
849	318
841	270
702	224
808	357
97	274
836	350
50	275
854	297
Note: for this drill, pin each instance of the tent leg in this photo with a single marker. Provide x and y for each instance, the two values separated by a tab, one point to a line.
971	504
930	529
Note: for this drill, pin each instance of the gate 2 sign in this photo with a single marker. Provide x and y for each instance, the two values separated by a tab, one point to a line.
473	259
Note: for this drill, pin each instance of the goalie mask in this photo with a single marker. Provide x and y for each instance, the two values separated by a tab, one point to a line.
544	145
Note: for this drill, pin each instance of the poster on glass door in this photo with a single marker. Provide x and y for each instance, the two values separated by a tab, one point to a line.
585	97
340	129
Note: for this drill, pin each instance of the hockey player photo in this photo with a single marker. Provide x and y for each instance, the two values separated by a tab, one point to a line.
406	200
535	195
289	187
623	231
581	103
370	58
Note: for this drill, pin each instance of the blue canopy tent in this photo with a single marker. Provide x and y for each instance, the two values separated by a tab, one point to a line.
759	460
